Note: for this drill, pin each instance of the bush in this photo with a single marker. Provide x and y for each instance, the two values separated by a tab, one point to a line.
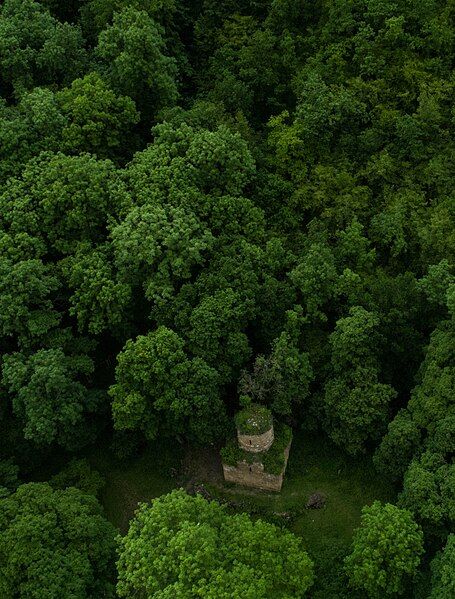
79	474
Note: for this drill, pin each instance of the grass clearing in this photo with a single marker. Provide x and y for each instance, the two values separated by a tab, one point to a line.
315	464
129	482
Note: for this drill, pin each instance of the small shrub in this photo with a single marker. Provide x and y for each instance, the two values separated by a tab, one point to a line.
79	474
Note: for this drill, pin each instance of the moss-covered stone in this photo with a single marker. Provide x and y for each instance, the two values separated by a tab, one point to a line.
273	460
254	420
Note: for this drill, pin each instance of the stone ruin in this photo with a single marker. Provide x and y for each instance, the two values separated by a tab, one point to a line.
250	471
256	443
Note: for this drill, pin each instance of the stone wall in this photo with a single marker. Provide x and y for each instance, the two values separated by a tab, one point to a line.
256	443
253	475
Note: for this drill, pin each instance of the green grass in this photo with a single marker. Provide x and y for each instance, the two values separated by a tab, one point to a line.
317	465
314	465
129	482
349	484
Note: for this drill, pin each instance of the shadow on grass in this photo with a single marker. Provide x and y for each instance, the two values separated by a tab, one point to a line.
135	480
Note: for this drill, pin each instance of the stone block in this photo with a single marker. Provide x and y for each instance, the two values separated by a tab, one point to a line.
254	475
256	443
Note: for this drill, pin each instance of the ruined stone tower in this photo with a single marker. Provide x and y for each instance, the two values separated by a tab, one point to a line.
258	457
256	443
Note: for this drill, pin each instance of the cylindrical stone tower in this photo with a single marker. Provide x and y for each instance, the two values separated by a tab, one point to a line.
254	428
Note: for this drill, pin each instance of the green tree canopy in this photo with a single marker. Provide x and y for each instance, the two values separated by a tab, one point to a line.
63	200
280	379
33	125
250	69
79	474
98	119
431	405
159	388
134	59
55	544
35	48
158	247
48	395
398	445
315	279
429	491
189	547
356	403
9	477
26	308
443	572
216	162
100	300
386	550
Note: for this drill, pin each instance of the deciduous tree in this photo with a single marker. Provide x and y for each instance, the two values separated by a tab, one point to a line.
63	200
443	572
35	48
189	547
134	60
55	544
98	119
386	550
48	395
160	389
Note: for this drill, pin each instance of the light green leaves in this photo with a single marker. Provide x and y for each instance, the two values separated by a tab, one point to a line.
184	546
55	544
387	549
159	388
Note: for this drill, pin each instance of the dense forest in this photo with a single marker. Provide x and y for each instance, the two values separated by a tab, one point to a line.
203	203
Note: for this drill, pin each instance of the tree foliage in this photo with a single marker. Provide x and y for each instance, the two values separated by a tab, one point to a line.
133	58
160	388
48	395
35	48
62	200
387	549
443	571
54	544
356	403
204	200
97	118
281	379
190	547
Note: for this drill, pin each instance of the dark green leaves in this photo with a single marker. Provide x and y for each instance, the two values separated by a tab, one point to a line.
48	394
55	544
160	389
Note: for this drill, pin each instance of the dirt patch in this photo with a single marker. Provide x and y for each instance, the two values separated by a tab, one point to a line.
202	465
